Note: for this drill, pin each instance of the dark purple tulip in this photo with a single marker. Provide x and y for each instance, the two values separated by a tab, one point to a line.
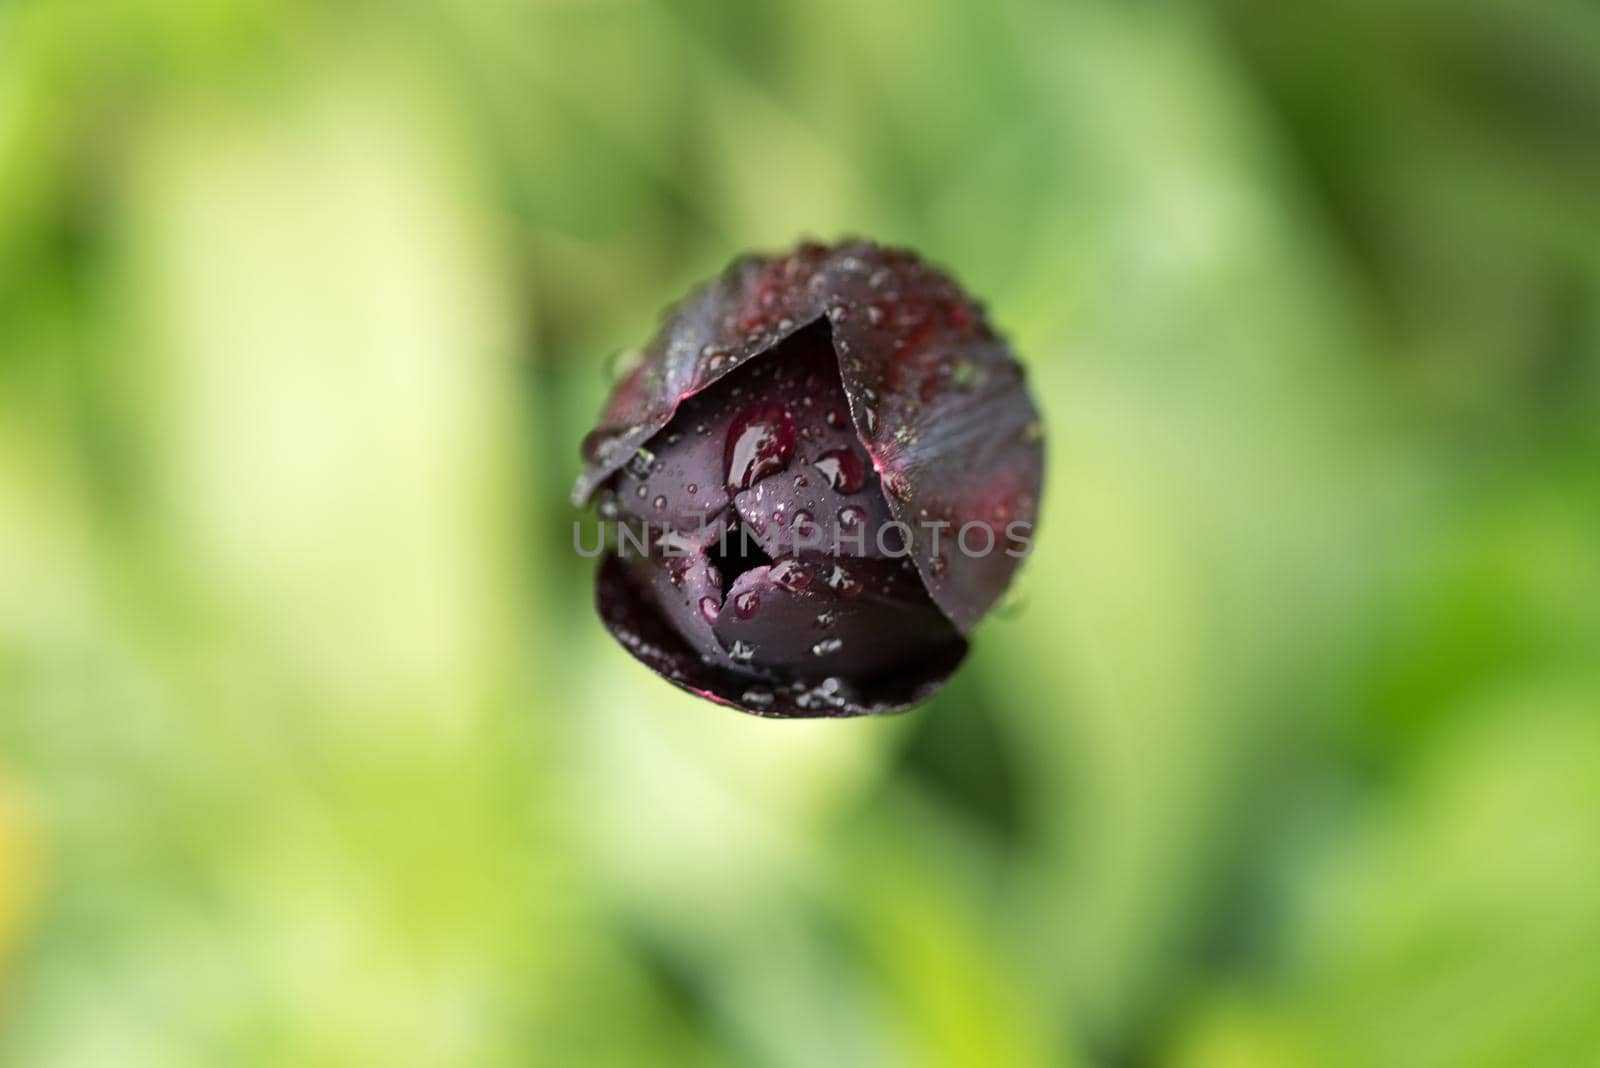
837	466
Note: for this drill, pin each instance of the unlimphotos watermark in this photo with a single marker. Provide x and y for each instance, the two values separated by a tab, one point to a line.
974	539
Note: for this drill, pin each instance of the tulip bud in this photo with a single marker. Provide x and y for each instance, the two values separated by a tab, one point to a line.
827	466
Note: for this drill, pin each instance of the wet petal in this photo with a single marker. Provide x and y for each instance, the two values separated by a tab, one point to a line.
754	304
828	494
851	397
944	411
937	399
630	613
734	435
685	588
817	616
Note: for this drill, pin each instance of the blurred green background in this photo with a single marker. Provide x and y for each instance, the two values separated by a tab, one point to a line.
312	752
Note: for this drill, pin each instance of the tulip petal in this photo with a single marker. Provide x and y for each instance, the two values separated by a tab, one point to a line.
936	399
631	613
945	414
817	616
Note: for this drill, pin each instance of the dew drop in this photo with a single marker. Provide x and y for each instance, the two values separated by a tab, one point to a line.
742	651
843	469
851	517
792	575
827	646
835	418
747	604
800	482
825	619
641	492
843	582
758	698
692	488
760	443
710	609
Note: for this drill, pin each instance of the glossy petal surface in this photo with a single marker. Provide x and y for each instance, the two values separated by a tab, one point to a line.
847	400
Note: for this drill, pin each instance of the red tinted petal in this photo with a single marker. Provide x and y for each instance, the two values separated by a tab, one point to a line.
828	485
686	590
936	398
629	611
676	477
946	416
755	303
859	620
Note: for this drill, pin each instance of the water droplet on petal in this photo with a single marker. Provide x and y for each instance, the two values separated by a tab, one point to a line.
843	582
760	443
851	517
790	574
710	609
659	504
747	604
843	469
827	646
742	651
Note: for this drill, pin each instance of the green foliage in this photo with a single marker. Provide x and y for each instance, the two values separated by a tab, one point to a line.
312	753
